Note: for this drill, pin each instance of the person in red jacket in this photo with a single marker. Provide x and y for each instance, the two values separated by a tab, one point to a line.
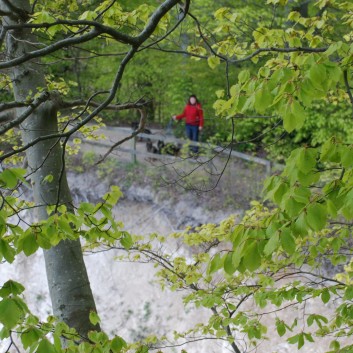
193	116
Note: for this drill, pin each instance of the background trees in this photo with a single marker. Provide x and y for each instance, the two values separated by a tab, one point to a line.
286	70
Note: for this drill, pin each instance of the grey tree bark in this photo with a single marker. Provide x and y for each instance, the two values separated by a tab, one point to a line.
70	291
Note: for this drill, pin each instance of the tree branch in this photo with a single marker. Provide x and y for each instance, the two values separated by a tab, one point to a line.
119	36
185	10
82	102
186	342
98	30
68	133
348	88
279	50
250	56
228	330
32	106
12	105
136	132
198	24
154	20
50	49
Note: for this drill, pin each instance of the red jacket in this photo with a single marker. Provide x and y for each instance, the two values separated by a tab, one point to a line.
193	115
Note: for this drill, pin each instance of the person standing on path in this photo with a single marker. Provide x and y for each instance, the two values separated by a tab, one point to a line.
193	115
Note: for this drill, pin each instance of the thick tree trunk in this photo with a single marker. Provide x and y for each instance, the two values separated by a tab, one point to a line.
69	286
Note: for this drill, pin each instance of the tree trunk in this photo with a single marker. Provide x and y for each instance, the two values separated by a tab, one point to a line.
70	291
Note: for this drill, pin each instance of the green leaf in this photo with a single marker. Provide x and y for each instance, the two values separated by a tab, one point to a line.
220	93
48	179
317	319
213	61
94	336
281	327
10	313
333	48
9	178
300	226
86	207
117	344
306	160
126	241
208	301
142	349
4	333
281	189
54	29
301	341
11	288
94	318
325	296
293	339
330	152
317	75
292	207
215	264
43	242
243	76
287	241
347	209
30	337
7	251
19	173
84	347
347	156
299	338
88	15
307	179
3	225
43	17
252	257
229	267
316	216
64	226
113	195
334	73
348	294
236	258
289	120
293	116
299	112
335	345
57	342
307	92
272	244
310	320
249	104
263	99
29	244
301	194
45	347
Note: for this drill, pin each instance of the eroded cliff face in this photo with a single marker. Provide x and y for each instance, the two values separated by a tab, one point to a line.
129	300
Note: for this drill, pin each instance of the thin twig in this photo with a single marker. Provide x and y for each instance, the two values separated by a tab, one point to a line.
44	96
348	88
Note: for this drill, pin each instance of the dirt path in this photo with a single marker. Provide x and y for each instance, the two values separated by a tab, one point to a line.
114	135
220	181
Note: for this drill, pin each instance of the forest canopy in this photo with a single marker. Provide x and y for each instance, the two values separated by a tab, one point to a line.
274	77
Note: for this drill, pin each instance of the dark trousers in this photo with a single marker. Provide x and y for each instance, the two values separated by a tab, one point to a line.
192	133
